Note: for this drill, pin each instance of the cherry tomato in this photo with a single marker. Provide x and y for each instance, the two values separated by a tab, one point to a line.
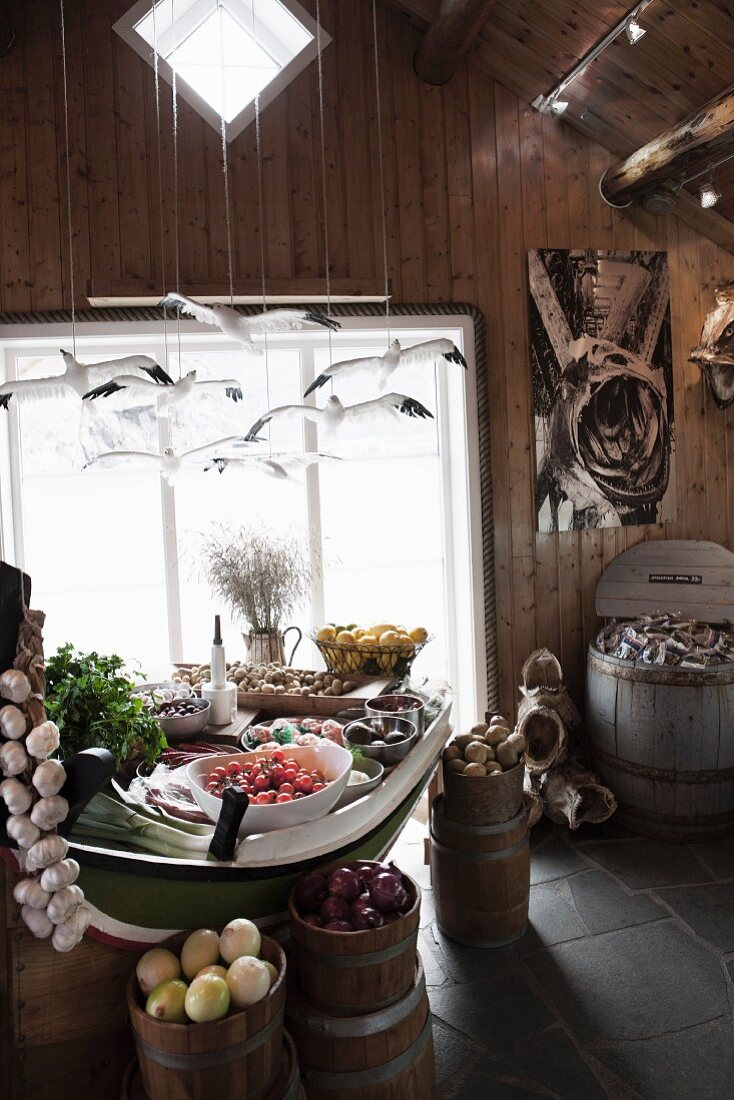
261	782
284	798
233	768
217	773
278	756
287	788
304	783
291	763
317	777
318	787
298	794
278	774
262	798
290	774
272	795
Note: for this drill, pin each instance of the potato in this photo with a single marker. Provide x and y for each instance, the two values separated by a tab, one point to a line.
456	765
496	736
507	755
518	741
463	740
493	768
475	752
481	727
475	770
452	752
497	720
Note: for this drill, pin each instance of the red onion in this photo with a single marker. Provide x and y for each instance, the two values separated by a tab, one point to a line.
390	918
312	919
334	909
387	892
338	926
310	892
364	914
344	883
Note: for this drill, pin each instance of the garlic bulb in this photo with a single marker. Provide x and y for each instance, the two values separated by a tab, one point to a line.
43	740
37	921
48	812
16	796
15	685
13	758
70	932
28	891
46	851
49	777
12	723
22	830
60	874
63	903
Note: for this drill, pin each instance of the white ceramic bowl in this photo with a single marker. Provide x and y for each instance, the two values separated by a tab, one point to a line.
332	760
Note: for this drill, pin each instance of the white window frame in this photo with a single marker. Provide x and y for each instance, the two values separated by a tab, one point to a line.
458	430
125	27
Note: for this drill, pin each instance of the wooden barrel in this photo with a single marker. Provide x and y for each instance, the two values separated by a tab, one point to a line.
483	799
354	972
287	1086
231	1059
662	740
385	1055
481	878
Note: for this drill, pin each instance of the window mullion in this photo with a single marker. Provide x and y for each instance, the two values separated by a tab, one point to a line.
313	495
170	545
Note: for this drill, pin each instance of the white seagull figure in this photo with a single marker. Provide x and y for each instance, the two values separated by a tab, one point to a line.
334	413
280	466
79	378
165	395
168	461
395	356
239	326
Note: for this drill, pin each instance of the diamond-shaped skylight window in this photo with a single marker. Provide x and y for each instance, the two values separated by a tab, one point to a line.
224	52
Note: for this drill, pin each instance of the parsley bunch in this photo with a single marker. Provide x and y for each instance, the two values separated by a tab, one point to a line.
90	699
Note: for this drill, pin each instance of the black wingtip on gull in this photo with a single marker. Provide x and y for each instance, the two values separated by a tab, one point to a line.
321	319
105	390
455	356
411	407
5	400
159	375
252	436
234	393
317	384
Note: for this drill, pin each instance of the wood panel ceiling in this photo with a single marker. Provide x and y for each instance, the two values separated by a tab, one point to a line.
630	94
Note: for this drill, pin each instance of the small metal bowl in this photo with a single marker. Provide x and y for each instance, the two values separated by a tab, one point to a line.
375	771
383	724
409	707
176	729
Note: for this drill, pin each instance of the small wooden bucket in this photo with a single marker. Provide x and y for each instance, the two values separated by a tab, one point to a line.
481	878
349	973
231	1058
287	1085
483	799
377	1056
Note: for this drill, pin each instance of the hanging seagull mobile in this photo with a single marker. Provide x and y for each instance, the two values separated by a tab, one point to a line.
334	413
281	466
386	364
79	378
239	326
165	394
168	461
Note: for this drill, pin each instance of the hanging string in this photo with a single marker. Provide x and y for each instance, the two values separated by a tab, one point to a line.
161	227
261	224
382	171
68	181
324	195
177	267
225	169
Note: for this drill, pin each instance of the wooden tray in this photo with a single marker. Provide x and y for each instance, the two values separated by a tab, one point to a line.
301	706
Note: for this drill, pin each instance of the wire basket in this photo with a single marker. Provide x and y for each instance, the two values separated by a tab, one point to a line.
369	660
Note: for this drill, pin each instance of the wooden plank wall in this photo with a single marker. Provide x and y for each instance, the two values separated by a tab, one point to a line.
473	179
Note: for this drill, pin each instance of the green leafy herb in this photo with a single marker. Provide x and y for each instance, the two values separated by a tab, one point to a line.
90	699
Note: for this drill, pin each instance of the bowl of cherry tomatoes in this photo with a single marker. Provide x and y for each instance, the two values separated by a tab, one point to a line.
285	786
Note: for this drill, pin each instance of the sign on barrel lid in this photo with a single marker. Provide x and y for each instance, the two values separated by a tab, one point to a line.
689	576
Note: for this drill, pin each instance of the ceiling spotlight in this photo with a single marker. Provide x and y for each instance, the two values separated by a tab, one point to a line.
558	106
634	31
708	195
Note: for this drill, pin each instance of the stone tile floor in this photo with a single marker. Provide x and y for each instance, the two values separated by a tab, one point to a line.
622	988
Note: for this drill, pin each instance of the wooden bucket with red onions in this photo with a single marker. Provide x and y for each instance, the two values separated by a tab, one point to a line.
355	929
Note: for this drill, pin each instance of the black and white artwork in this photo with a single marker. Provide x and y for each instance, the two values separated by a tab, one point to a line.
602	388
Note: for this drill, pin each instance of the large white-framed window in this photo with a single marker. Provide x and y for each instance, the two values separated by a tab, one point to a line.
114	552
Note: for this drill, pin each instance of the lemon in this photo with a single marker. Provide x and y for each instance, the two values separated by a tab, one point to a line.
359	633
345	637
419	634
380	628
326	634
390	638
407	646
367	641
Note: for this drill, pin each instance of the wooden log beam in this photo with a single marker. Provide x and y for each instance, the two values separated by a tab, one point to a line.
681	152
449	37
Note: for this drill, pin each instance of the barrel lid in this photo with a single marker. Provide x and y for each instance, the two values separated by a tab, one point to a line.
689	576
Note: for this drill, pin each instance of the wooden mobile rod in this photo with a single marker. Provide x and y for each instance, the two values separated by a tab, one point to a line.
449	37
687	150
